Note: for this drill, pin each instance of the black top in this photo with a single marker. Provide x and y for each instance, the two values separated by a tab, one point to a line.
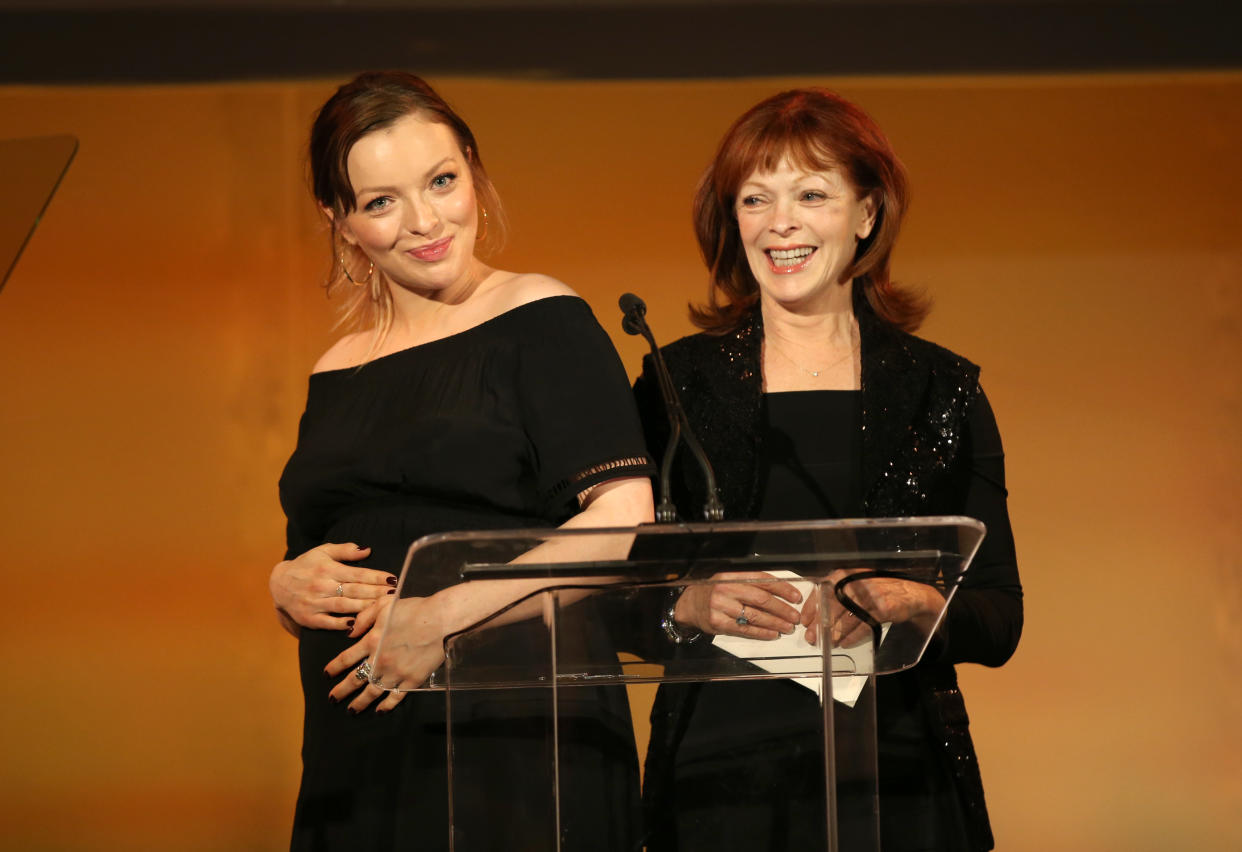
808	468
809	461
510	419
927	445
497	427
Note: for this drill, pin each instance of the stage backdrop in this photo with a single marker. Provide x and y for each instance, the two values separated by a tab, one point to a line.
1079	234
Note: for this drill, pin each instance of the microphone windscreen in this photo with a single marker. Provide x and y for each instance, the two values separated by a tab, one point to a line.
630	303
633	308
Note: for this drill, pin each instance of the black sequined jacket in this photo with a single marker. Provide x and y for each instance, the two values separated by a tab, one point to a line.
916	398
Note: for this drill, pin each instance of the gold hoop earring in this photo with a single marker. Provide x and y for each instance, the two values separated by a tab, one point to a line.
350	278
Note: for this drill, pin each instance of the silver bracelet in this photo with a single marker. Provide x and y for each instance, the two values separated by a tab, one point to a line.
669	622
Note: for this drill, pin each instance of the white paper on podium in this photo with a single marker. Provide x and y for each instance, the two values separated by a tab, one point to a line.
788	652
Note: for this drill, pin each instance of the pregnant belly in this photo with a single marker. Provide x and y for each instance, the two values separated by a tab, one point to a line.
389	529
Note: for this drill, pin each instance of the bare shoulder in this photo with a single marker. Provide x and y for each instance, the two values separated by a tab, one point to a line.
524	287
349	351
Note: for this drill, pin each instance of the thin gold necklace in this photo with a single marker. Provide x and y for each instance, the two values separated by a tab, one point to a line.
810	372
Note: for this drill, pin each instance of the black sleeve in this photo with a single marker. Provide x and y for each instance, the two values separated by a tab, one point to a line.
651	409
984	621
576	407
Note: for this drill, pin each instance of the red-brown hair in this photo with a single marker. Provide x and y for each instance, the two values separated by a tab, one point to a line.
816	130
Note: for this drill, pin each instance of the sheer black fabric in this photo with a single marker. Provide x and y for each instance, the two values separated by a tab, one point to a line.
498	427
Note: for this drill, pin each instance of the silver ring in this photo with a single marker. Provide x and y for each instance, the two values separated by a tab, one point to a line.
363	672
741	619
340	590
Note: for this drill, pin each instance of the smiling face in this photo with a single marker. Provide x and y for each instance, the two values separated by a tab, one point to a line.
799	230
415	216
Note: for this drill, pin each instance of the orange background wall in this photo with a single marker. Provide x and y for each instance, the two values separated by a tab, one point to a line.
1080	235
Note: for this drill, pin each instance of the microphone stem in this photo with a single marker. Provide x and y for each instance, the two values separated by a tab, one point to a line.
713	510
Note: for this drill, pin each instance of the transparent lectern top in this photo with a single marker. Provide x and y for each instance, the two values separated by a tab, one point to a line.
590	606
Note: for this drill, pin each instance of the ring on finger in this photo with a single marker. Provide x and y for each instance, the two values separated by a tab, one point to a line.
741	619
363	672
340	590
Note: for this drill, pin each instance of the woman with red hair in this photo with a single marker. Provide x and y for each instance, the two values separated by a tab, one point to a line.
814	400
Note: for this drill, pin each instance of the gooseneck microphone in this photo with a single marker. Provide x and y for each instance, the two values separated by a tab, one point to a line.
635	322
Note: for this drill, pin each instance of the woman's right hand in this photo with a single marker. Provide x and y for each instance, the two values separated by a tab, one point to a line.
414	648
317	589
716	608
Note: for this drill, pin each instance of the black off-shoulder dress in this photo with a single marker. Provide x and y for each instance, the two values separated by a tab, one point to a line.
498	427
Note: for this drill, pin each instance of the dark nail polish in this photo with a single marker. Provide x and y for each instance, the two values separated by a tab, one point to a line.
392	581
327	674
332	698
349	624
391	592
351	711
381	712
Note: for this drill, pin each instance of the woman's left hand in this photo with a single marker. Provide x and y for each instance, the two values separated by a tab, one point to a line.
887	600
415	650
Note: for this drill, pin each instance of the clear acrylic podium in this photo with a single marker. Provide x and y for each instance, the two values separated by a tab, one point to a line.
563	654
